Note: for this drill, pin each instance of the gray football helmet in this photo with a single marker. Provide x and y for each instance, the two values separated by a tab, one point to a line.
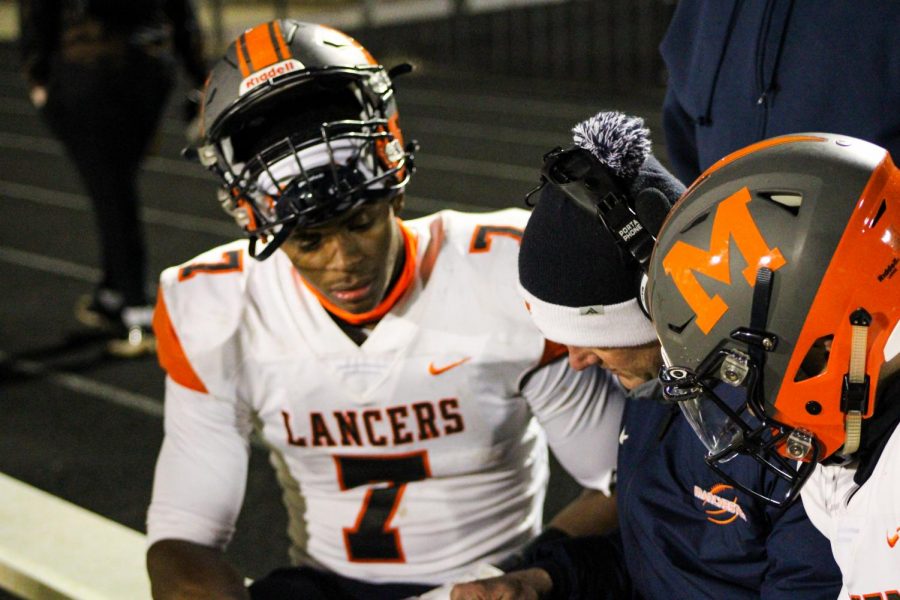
774	291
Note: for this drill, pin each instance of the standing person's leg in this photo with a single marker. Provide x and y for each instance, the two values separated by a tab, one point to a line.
140	96
75	107
134	97
111	183
106	115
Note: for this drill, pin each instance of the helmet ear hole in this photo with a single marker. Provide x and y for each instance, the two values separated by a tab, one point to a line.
816	360
879	213
790	201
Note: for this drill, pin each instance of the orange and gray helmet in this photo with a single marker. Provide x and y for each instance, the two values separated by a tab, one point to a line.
301	125
774	291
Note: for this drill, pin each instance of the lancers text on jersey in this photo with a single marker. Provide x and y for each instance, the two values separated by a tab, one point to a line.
394	425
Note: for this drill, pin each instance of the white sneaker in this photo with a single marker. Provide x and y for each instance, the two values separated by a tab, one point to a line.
136	336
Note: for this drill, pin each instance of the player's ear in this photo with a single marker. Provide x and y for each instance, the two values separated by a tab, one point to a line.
397	204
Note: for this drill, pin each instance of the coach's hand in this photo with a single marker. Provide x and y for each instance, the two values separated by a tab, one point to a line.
530	584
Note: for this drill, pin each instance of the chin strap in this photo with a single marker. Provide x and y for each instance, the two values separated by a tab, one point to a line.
855	393
272	242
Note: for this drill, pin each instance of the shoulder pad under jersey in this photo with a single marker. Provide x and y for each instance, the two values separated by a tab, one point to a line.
476	233
199	309
483	249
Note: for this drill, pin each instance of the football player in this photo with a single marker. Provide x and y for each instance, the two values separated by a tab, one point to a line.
801	314
685	530
390	366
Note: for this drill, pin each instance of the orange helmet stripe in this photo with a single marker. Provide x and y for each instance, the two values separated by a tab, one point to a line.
777	141
260	47
355	44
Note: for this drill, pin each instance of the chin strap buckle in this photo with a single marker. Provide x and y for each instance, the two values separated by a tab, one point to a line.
799	444
855	390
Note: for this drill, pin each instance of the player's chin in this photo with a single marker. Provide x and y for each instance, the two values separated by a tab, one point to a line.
355	300
357	306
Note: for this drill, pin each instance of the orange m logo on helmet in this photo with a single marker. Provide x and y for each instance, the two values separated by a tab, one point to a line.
732	221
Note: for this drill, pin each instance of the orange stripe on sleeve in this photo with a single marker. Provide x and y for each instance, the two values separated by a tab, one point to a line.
552	352
169	351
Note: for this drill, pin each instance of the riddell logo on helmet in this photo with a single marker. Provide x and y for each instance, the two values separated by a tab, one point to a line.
269	73
732	221
890	270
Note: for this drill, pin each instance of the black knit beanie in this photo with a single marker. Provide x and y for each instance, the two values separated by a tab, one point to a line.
580	287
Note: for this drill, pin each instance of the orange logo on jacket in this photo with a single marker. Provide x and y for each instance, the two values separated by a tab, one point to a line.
732	221
723	511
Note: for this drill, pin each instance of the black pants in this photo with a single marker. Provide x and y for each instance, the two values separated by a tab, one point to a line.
105	113
310	584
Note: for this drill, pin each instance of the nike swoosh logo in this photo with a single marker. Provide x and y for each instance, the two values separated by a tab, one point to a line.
438	370
622	436
892	540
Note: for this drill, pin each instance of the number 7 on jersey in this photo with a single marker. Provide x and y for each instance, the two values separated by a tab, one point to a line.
372	539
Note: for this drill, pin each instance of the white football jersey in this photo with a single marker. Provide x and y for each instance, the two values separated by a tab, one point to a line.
862	523
407	458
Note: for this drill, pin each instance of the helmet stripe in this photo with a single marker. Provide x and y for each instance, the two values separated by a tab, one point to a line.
354	43
281	49
242	55
776	141
261	48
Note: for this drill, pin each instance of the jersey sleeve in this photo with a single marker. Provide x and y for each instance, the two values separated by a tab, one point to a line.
581	412
493	246
490	242
201	472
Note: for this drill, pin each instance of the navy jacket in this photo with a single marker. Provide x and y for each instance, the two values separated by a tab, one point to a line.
742	71
684	532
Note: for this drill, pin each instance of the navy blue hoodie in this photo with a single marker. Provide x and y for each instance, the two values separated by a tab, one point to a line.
742	71
687	534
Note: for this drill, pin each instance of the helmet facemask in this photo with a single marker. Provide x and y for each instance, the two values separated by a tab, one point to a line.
724	402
